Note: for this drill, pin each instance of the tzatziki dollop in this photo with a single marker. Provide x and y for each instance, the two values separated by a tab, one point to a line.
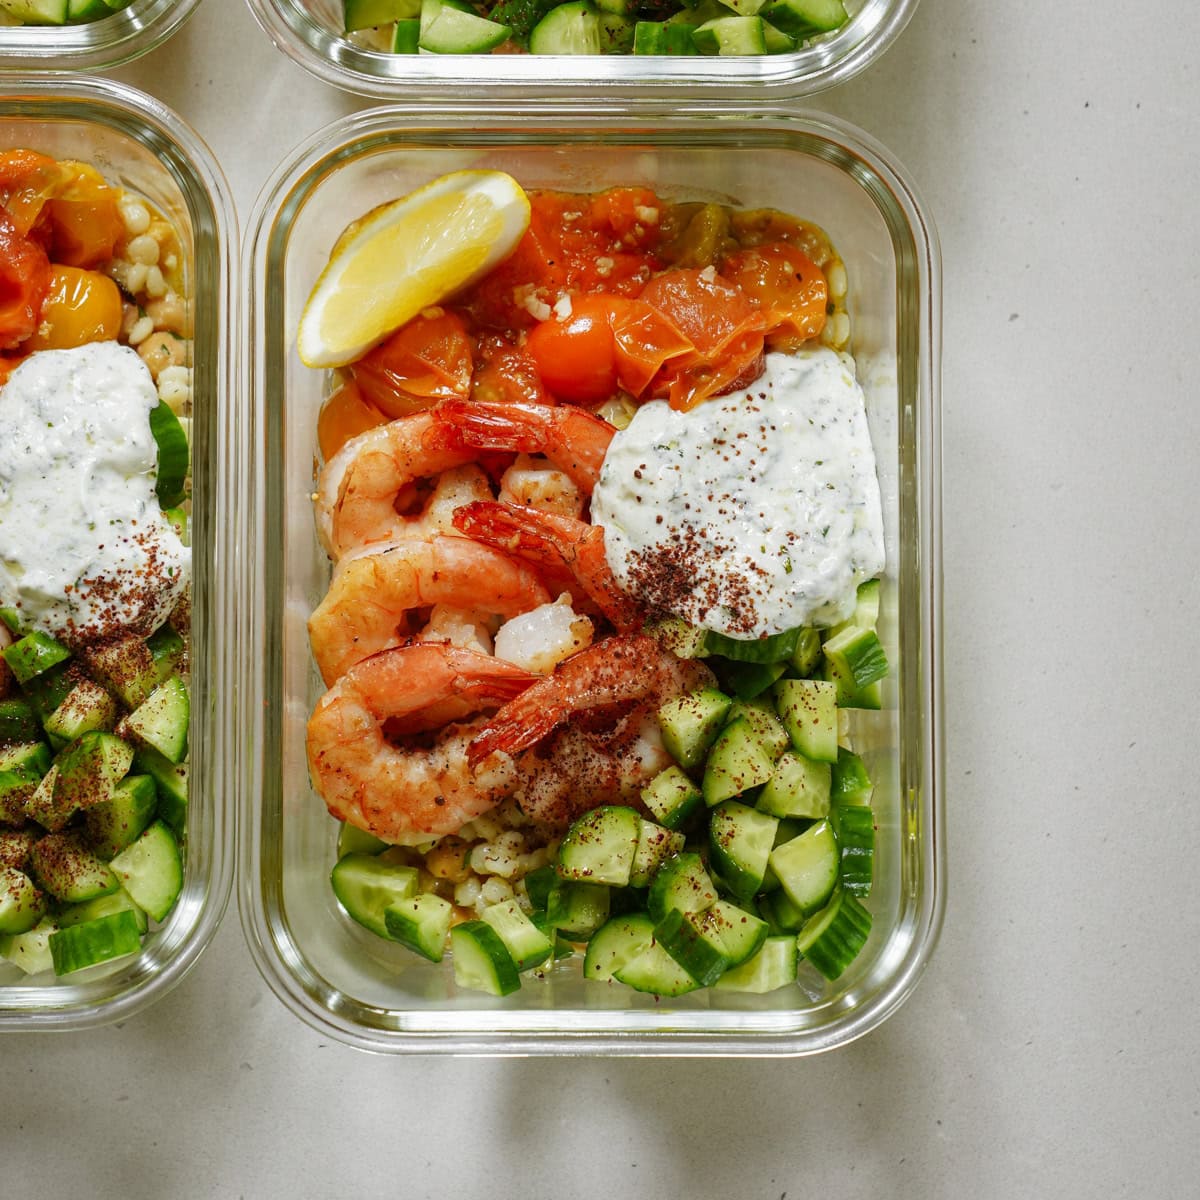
753	512
85	551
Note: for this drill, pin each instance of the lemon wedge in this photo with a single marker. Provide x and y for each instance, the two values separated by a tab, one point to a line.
407	255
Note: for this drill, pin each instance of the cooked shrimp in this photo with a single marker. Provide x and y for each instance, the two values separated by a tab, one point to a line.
616	674
536	483
373	590
573	439
409	794
588	735
358	489
565	550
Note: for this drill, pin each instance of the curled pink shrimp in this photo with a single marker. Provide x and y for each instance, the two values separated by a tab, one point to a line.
406	794
561	547
573	439
374	590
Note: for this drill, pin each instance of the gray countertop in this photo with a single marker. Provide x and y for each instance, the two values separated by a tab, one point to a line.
1051	1049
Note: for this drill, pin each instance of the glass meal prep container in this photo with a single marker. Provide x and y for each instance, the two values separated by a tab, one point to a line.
377	995
311	32
139	144
94	45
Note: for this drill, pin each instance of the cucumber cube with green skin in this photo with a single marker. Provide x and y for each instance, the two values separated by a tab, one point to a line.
528	945
89	770
808	708
616	944
858	654
366	888
835	936
367	14
774	966
66	867
455	32
114	824
741	933
807	866
22	768
93	942
682	884
18	722
576	909
649	37
799	787
81	11
33	655
672	797
539	884
31	950
847	692
778	42
171	782
741	840
737	762
655	845
849	782
673	633
781	914
49	689
764	720
694	945
151	870
15	845
88	707
102	906
748	680
656	972
40	806
126	667
807	654
161	721
481	961
690	724
855	826
778	647
406	36
803	18
352	840
22	902
421	923
600	846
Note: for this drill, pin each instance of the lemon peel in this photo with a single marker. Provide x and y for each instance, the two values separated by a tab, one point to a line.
408	255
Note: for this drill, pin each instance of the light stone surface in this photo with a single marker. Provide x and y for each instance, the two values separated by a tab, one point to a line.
1052	1048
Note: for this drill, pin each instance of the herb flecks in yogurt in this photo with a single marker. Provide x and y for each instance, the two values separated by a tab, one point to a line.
754	512
85	551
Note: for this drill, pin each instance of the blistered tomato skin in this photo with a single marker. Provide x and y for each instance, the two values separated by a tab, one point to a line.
80	307
786	285
25	278
576	356
85	222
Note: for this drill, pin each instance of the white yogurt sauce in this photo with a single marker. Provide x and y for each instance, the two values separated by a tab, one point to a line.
754	512
85	550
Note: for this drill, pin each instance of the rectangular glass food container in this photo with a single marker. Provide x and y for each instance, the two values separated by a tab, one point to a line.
377	995
137	142
96	45
311	33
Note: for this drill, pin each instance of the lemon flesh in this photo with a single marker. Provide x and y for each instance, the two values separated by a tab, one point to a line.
406	256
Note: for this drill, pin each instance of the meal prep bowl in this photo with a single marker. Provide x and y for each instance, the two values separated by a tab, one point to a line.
97	45
137	142
311	33
377	995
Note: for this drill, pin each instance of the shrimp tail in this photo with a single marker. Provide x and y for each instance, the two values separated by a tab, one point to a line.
554	543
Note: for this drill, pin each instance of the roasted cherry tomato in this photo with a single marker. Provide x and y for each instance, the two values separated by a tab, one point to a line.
27	180
577	357
80	307
24	281
345	415
425	361
507	374
786	285
85	221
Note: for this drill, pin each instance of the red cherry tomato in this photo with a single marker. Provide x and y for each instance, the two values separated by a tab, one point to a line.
25	278
577	358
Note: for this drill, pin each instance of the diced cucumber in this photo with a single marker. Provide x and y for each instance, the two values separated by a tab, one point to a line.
737	762
366	14
455	32
808	708
674	633
682	884
672	797
406	36
68	869
740	933
87	707
781	913
172	454
33	655
151	870
571	28
807	654
18	722
171	782
419	922
833	938
855	826
656	972
616	944
81	11
22	768
690	724
366	887
741	840
807	866
799	787
37	12
803	18
857	654
15	845
39	805
127	667
748	680
167	649
538	885
694	944
764	720
352	840
600	846
779	647
481	961
866	608
161	721
849	782
655	845
576	909
93	942
89	770
22	902
31	950
102	906
526	943
848	694
774	966
114	824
